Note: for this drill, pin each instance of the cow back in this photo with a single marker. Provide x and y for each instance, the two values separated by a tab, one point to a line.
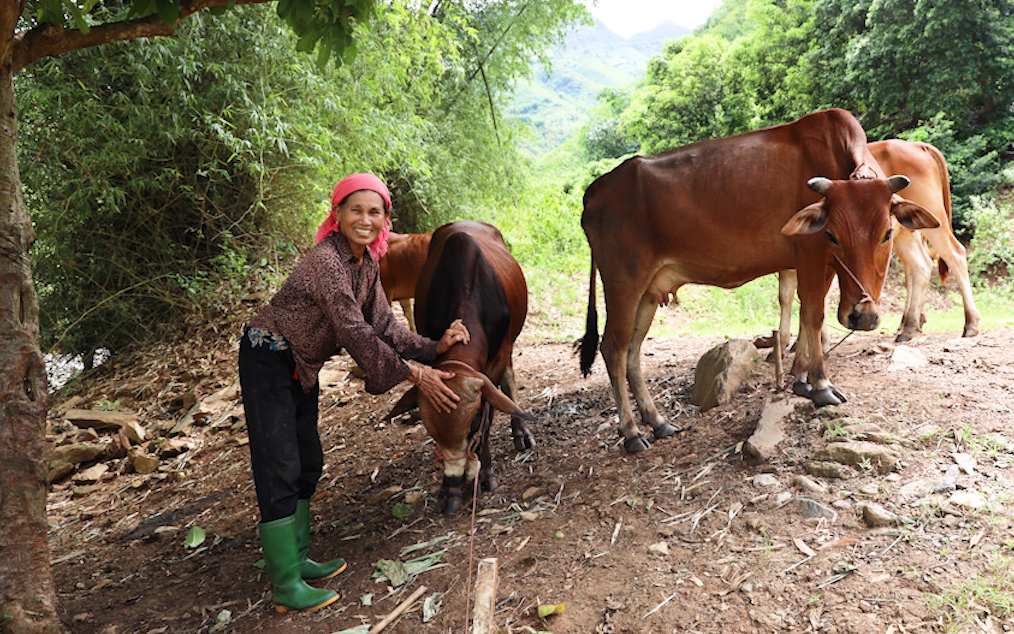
470	270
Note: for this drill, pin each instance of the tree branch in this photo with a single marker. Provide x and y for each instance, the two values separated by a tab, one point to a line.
48	40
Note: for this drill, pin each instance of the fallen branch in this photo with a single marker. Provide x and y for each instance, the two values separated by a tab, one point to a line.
396	612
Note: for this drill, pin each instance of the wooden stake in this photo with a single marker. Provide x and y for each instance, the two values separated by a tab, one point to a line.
396	612
778	360
486	582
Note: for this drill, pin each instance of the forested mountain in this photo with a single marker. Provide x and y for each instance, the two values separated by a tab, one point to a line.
555	103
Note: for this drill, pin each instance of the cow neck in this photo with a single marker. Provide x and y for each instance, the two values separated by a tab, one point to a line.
459	363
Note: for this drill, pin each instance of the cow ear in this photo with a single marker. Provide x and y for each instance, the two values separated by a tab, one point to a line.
492	395
408	401
809	219
912	216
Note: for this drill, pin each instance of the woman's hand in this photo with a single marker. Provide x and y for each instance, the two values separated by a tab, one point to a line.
430	383
456	333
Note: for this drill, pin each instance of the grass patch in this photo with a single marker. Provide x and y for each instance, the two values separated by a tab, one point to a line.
989	592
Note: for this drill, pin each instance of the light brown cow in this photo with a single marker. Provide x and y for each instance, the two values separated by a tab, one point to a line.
930	187
470	275
400	266
725	211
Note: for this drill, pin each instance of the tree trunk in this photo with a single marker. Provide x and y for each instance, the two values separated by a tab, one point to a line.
27	592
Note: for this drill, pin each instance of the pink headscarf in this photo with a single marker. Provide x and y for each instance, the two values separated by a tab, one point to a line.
349	185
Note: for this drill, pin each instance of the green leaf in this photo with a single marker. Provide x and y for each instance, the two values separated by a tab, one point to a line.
168	11
260	563
195	537
79	18
402	509
546	610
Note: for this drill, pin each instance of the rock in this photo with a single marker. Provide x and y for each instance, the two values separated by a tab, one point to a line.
905	357
881	458
170	447
922	488
809	485
965	462
660	548
65	459
721	371
142	462
101	418
92	474
877	516
825	469
764	441
871	432
967	499
812	508
81	491
764	480
870	489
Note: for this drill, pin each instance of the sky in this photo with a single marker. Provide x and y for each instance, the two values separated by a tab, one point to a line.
628	17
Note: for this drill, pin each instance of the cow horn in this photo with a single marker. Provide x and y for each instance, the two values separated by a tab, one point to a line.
408	401
495	397
898	182
819	184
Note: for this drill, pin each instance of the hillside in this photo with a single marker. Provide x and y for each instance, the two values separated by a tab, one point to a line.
556	101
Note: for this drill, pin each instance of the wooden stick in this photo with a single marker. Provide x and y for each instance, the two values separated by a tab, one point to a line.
396	612
487	580
778	360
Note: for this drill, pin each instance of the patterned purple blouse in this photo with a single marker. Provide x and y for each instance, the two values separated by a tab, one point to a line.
329	303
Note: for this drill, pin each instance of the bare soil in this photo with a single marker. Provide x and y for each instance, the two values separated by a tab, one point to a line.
682	538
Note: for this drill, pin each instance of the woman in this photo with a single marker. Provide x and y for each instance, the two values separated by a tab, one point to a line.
332	300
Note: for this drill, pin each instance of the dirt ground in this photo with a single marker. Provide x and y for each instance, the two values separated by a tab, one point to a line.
690	536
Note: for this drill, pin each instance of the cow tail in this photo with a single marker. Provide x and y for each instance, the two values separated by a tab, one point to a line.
945	177
590	342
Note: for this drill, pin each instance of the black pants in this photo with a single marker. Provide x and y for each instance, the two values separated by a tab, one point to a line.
281	420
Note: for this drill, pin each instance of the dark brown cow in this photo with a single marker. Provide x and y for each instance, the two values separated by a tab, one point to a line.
471	275
725	211
400	266
930	187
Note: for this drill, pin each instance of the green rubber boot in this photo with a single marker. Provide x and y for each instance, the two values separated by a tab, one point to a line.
310	569
278	538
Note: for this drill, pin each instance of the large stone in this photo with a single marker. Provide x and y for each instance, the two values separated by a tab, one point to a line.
905	357
102	418
64	459
881	458
763	443
721	371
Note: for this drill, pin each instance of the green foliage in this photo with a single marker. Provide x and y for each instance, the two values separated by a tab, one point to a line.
992	250
601	137
163	173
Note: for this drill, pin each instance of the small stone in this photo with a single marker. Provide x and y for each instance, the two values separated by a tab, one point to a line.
661	548
93	473
876	516
812	508
870	489
764	480
809	485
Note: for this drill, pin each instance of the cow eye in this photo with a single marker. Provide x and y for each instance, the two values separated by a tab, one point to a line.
887	236
830	236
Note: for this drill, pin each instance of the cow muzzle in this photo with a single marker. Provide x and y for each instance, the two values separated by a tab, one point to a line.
864	315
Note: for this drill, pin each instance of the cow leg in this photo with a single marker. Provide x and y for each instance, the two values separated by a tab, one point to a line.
953	253
615	348
808	366
918	265
645	404
523	438
456	463
487	479
406	307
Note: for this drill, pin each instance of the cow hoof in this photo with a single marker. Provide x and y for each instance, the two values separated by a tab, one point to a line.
902	338
487	481
636	444
524	441
970	331
800	388
449	498
666	430
827	396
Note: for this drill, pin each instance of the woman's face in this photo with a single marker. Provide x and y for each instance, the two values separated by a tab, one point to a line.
361	217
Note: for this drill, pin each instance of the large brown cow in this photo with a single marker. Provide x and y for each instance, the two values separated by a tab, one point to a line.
400	266
471	275
725	211
930	187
